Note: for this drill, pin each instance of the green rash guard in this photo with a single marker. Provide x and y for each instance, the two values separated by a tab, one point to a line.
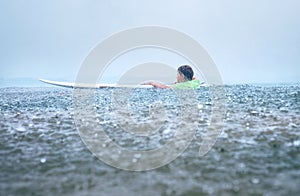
187	85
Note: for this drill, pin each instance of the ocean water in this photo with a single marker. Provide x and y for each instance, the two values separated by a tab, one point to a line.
257	153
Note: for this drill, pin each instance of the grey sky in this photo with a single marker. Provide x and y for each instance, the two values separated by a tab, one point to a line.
250	41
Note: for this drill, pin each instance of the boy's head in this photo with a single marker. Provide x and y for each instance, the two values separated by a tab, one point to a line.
186	71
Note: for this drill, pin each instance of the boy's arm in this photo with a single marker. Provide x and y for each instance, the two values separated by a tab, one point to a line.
158	85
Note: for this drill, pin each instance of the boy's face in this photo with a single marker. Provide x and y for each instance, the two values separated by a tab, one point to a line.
180	77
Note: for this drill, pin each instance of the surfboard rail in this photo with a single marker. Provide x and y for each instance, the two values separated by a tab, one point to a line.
87	85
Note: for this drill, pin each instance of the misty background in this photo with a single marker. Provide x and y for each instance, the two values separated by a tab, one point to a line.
249	41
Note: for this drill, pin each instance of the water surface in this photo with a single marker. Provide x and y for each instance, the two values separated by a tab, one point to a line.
258	151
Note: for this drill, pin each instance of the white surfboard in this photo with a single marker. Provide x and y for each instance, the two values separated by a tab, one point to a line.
85	85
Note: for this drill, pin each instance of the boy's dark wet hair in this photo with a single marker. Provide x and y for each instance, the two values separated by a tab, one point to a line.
187	71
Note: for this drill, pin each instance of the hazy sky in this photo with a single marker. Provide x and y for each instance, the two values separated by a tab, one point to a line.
251	41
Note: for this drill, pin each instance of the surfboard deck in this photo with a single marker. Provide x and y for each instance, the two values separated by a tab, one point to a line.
85	85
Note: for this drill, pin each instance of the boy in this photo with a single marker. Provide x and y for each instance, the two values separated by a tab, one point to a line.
185	79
